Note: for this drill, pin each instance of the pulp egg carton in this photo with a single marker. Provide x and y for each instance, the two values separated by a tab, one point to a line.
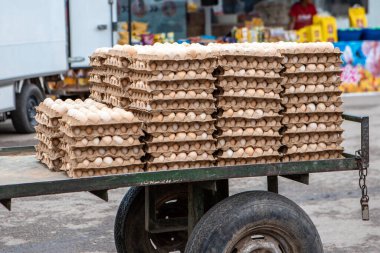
97	96
164	86
312	89
228	83
310	156
291	139
326	79
103	141
236	103
312	68
151	167
173	76
267	93
173	127
91	152
43	119
51	153
252	73
173	65
51	164
164	147
248	113
172	92
48	131
116	91
174	105
50	142
100	162
248	160
173	116
95	117
249	152
121	102
182	137
314	127
98	87
250	62
188	155
333	107
236	142
270	132
115	61
122	82
307	118
98	57
310	58
124	129
313	147
96	78
321	100
247	122
78	173
294	48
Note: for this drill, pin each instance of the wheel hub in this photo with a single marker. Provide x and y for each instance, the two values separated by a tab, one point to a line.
31	110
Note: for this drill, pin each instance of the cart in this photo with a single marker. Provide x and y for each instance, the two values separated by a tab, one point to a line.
168	211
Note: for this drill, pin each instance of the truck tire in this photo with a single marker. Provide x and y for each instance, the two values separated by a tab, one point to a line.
23	117
130	234
256	221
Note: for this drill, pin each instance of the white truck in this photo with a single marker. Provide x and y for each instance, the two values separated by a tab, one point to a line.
39	41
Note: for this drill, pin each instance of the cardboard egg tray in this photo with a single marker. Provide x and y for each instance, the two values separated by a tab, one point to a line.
117	62
331	107
173	76
116	101
307	118
151	167
97	96
49	132
319	98
248	122
248	113
311	58
312	89
238	83
78	173
312	147
243	161
305	49
174	105
121	82
180	136
181	156
173	65
252	73
102	130
201	145
54	165
250	62
104	141
236	142
93	152
106	119
156	87
52	153
331	154
314	127
195	115
166	54
50	142
311	138
178	126
43	119
99	162
291	79
236	103
172	93
267	131
249	152
311	67
96	78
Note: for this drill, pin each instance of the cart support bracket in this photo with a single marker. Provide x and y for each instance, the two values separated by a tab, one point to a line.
301	178
6	203
102	194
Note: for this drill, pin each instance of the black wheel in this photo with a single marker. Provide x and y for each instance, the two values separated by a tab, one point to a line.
23	118
255	222
130	233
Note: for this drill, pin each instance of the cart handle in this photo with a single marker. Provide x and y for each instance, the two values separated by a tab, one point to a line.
364	137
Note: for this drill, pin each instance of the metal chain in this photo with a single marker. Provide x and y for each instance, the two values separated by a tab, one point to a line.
363	172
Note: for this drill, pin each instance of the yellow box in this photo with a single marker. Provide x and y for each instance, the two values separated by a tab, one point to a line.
358	17
302	35
328	27
314	33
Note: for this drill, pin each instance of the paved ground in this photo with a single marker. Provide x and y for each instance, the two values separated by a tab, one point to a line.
82	223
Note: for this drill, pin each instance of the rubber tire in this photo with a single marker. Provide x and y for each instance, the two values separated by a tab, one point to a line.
223	222
131	218
19	116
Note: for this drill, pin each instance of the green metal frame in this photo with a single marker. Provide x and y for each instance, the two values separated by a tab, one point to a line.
98	185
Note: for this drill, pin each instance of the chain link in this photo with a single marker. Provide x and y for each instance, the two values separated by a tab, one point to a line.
363	172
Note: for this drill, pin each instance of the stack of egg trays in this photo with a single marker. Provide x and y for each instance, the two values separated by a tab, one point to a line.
101	148
174	97
97	74
311	97
49	137
249	104
111	80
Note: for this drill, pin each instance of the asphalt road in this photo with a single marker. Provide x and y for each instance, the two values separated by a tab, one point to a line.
82	223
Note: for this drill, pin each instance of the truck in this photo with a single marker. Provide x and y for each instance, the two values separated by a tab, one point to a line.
40	41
